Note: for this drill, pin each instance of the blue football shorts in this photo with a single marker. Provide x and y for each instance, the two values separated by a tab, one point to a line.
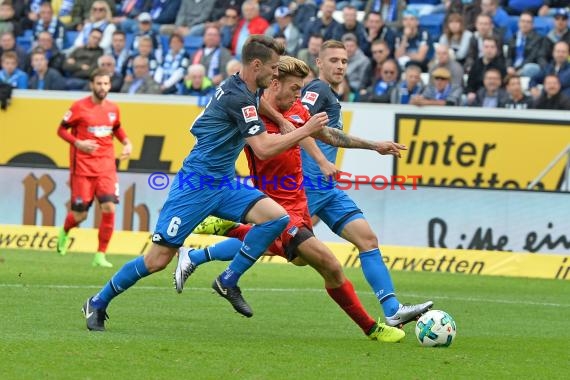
334	207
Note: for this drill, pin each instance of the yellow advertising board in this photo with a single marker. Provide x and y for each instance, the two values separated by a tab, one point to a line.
159	133
471	262
481	152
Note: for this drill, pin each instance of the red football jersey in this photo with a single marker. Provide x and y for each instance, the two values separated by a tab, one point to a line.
90	121
280	177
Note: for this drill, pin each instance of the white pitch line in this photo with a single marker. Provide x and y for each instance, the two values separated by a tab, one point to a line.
292	290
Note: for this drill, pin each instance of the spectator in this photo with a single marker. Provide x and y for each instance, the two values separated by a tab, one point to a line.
381	90
559	67
490	59
408	88
63	10
391	10
552	98
196	83
44	77
48	22
551	7
498	15
251	23
516	98
358	63
324	25
220	7
10	72
100	19
82	11
145	29
164	12
560	31
8	21
172	70
228	27
377	30
484	29
284	25
146	51
191	18
442	59
8	43
141	81
309	55
108	64
456	37
213	56
526	49
233	67
440	92
82	61
380	54
128	12
53	55
491	95
412	44
303	12
119	51
267	8
351	25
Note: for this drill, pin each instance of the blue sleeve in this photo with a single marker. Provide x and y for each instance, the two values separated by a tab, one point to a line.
23	81
243	112
313	97
168	14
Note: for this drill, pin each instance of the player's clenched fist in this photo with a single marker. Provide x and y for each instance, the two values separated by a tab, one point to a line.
317	122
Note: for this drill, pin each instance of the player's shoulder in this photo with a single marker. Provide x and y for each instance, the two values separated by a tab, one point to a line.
314	91
83	102
235	92
316	85
297	114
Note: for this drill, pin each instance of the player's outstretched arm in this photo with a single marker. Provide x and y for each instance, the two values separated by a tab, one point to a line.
266	146
338	138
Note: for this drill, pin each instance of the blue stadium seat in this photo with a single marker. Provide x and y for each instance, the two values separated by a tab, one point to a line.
433	24
193	43
514	24
543	25
25	42
69	38
129	38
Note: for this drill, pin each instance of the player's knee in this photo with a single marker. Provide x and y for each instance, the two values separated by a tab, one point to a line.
108	207
279	223
367	242
79	216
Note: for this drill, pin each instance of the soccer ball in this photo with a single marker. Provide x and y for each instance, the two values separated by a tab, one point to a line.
436	328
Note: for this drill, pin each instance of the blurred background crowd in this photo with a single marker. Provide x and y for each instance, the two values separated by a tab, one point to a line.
481	53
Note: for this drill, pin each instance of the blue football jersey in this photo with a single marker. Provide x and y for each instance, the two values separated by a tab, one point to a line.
318	96
220	130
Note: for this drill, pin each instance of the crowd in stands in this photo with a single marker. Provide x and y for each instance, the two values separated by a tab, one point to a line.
480	53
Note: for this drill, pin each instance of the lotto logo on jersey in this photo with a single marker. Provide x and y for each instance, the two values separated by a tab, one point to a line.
310	97
249	113
67	116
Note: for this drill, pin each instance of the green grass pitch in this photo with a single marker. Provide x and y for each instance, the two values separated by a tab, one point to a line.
507	327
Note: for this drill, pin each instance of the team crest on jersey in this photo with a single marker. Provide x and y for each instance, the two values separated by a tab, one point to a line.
112	117
249	113
310	97
296	118
67	116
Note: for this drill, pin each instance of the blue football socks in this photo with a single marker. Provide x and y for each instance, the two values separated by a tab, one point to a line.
126	277
254	245
380	281
222	251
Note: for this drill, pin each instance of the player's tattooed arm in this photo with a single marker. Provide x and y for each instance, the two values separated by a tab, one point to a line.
310	146
338	138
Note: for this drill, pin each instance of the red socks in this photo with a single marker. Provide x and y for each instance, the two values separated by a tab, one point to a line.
347	299
69	222
106	230
239	232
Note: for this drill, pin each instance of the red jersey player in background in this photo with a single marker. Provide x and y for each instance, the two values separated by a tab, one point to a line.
89	127
281	178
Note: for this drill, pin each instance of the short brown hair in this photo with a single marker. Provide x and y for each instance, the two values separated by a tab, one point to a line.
510	77
258	46
98	73
332	44
9	55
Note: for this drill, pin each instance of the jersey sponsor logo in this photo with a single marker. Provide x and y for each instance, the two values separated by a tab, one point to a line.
112	117
156	238
310	97
100	130
253	130
249	113
67	115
